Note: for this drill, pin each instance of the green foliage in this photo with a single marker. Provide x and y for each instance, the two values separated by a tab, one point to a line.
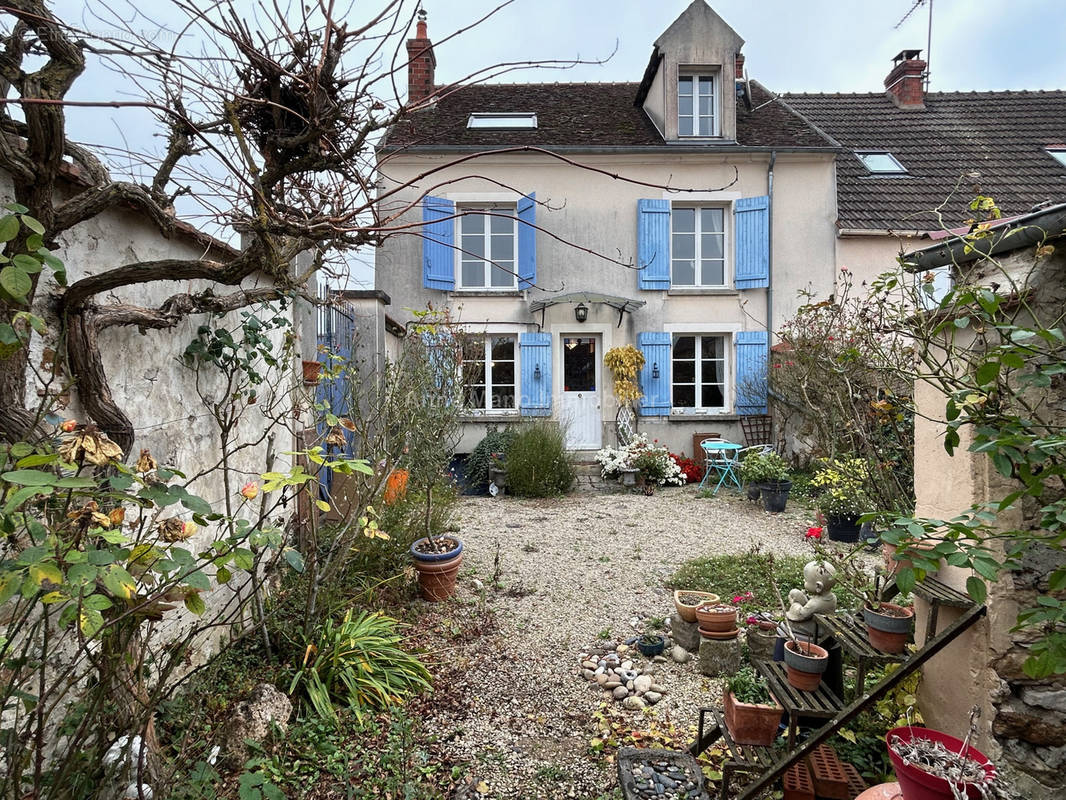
842	488
357	662
478	462
17	270
759	467
749	686
537	462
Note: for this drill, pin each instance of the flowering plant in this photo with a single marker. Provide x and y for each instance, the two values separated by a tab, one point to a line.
843	485
692	469
743	601
625	363
652	460
851	573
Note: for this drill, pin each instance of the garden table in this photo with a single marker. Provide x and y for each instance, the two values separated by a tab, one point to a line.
720	456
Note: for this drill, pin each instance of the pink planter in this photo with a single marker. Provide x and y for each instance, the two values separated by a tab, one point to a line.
917	784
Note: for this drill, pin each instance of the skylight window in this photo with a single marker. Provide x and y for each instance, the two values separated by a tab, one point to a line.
881	162
502	121
1058	153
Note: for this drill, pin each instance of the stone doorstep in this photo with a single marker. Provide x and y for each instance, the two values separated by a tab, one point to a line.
827	772
797	783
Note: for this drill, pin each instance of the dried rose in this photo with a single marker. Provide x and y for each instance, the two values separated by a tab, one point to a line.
146	463
250	490
69	426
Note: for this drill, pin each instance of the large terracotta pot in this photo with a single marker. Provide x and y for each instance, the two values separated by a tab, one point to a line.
716	619
693	600
889	628
804	664
751	723
916	783
437	571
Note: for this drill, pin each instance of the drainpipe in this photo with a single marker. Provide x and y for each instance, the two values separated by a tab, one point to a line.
770	258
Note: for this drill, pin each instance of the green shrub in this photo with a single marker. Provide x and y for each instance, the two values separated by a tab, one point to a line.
537	461
477	463
359	663
749	686
759	467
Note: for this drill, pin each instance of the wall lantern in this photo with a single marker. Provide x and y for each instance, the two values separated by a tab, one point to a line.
655	371
581	312
536	373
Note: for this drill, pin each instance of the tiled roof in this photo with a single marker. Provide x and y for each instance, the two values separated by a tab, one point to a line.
582	115
1001	135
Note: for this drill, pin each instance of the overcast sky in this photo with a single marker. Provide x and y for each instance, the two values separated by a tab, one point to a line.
813	46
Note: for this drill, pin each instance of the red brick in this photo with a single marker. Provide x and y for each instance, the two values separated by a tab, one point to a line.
828	775
856	785
797	783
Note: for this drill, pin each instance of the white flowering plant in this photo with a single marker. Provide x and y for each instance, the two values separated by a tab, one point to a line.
653	461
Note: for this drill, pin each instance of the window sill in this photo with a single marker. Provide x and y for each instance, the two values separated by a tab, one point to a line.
720	416
723	291
492	416
486	293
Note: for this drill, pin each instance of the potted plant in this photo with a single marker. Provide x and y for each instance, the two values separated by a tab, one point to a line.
761	635
498	470
717	619
769	472
805	662
686	603
931	765
752	715
843	498
651	644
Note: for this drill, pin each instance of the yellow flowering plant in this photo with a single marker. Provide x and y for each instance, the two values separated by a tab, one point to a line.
843	485
625	363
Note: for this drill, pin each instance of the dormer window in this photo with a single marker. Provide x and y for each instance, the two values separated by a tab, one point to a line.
880	162
697	106
502	121
1058	153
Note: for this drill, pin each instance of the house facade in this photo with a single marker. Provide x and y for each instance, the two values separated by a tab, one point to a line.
681	214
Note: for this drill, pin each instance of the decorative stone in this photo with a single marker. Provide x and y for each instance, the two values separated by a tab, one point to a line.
719	658
252	719
620	693
589	664
642	684
629	685
588	674
657	688
627	664
652	697
660	659
622	649
633	704
601	679
685	634
612	684
679	654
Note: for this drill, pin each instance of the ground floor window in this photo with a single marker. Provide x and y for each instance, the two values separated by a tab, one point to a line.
489	373
699	371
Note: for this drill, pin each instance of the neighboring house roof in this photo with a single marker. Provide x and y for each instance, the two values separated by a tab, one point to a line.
1000	135
584	115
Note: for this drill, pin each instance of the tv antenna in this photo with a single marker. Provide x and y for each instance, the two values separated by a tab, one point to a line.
929	37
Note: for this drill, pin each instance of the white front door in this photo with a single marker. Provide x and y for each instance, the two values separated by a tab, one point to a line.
581	391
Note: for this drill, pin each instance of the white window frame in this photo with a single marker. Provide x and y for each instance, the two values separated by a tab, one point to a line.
899	169
510	120
727	373
727	263
696	74
485	209
1057	153
486	358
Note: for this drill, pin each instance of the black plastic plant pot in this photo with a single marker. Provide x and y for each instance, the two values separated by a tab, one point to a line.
775	495
843	529
651	649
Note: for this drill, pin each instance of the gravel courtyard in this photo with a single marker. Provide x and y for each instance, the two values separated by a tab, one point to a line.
577	571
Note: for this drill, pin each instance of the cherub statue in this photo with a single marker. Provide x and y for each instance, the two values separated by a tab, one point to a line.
816	596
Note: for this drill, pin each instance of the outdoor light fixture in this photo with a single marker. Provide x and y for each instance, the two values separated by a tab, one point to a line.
536	373
655	371
581	312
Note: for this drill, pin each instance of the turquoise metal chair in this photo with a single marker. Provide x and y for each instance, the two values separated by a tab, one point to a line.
721	459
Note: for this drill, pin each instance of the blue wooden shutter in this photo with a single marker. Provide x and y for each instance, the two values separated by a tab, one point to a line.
527	241
653	243
535	350
752	378
438	240
751	226
655	346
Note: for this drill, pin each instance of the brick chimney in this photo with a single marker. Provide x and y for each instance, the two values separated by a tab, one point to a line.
904	84
421	63
739	66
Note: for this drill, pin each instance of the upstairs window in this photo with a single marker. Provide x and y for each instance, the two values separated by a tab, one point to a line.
880	162
697	246
696	107
489	374
1058	153
487	248
502	121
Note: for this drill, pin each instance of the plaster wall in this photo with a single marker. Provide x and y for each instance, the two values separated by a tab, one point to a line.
866	257
588	242
148	378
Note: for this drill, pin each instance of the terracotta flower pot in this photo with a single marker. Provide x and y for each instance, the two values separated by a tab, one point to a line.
686	603
804	664
716	619
751	723
889	628
916	783
437	571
